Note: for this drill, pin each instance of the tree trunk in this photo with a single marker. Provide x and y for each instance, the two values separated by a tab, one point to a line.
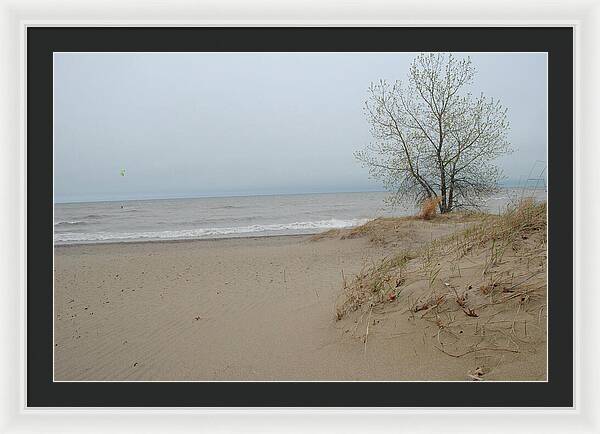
451	194
443	203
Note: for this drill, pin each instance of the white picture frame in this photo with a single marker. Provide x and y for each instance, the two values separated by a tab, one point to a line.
15	16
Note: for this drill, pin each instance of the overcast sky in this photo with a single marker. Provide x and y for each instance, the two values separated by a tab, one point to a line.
211	124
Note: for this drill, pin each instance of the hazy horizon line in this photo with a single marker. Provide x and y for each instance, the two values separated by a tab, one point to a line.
236	195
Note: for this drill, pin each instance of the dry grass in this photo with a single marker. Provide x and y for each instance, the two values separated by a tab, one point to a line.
373	285
377	230
497	233
480	290
388	231
517	222
429	208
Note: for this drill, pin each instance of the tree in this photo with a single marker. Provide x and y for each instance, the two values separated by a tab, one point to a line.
432	138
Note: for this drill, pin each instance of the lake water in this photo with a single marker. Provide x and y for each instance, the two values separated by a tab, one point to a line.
224	217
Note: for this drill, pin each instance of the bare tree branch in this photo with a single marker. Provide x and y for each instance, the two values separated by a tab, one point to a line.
432	138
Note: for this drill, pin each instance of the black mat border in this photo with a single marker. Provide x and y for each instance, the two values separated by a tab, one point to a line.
43	41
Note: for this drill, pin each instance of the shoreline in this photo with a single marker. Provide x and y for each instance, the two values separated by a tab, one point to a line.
184	240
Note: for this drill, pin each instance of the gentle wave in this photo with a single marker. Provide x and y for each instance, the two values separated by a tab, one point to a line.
70	223
228	207
307	226
95	216
209	220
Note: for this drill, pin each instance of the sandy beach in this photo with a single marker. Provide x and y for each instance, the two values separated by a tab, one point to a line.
250	309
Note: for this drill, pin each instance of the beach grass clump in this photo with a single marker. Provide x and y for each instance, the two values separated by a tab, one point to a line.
439	261
374	284
378	230
516	223
374	227
429	208
392	230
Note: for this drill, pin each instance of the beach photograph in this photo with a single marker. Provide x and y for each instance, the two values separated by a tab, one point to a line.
300	216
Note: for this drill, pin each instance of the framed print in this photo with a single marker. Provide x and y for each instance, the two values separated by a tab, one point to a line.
300	218
191	287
